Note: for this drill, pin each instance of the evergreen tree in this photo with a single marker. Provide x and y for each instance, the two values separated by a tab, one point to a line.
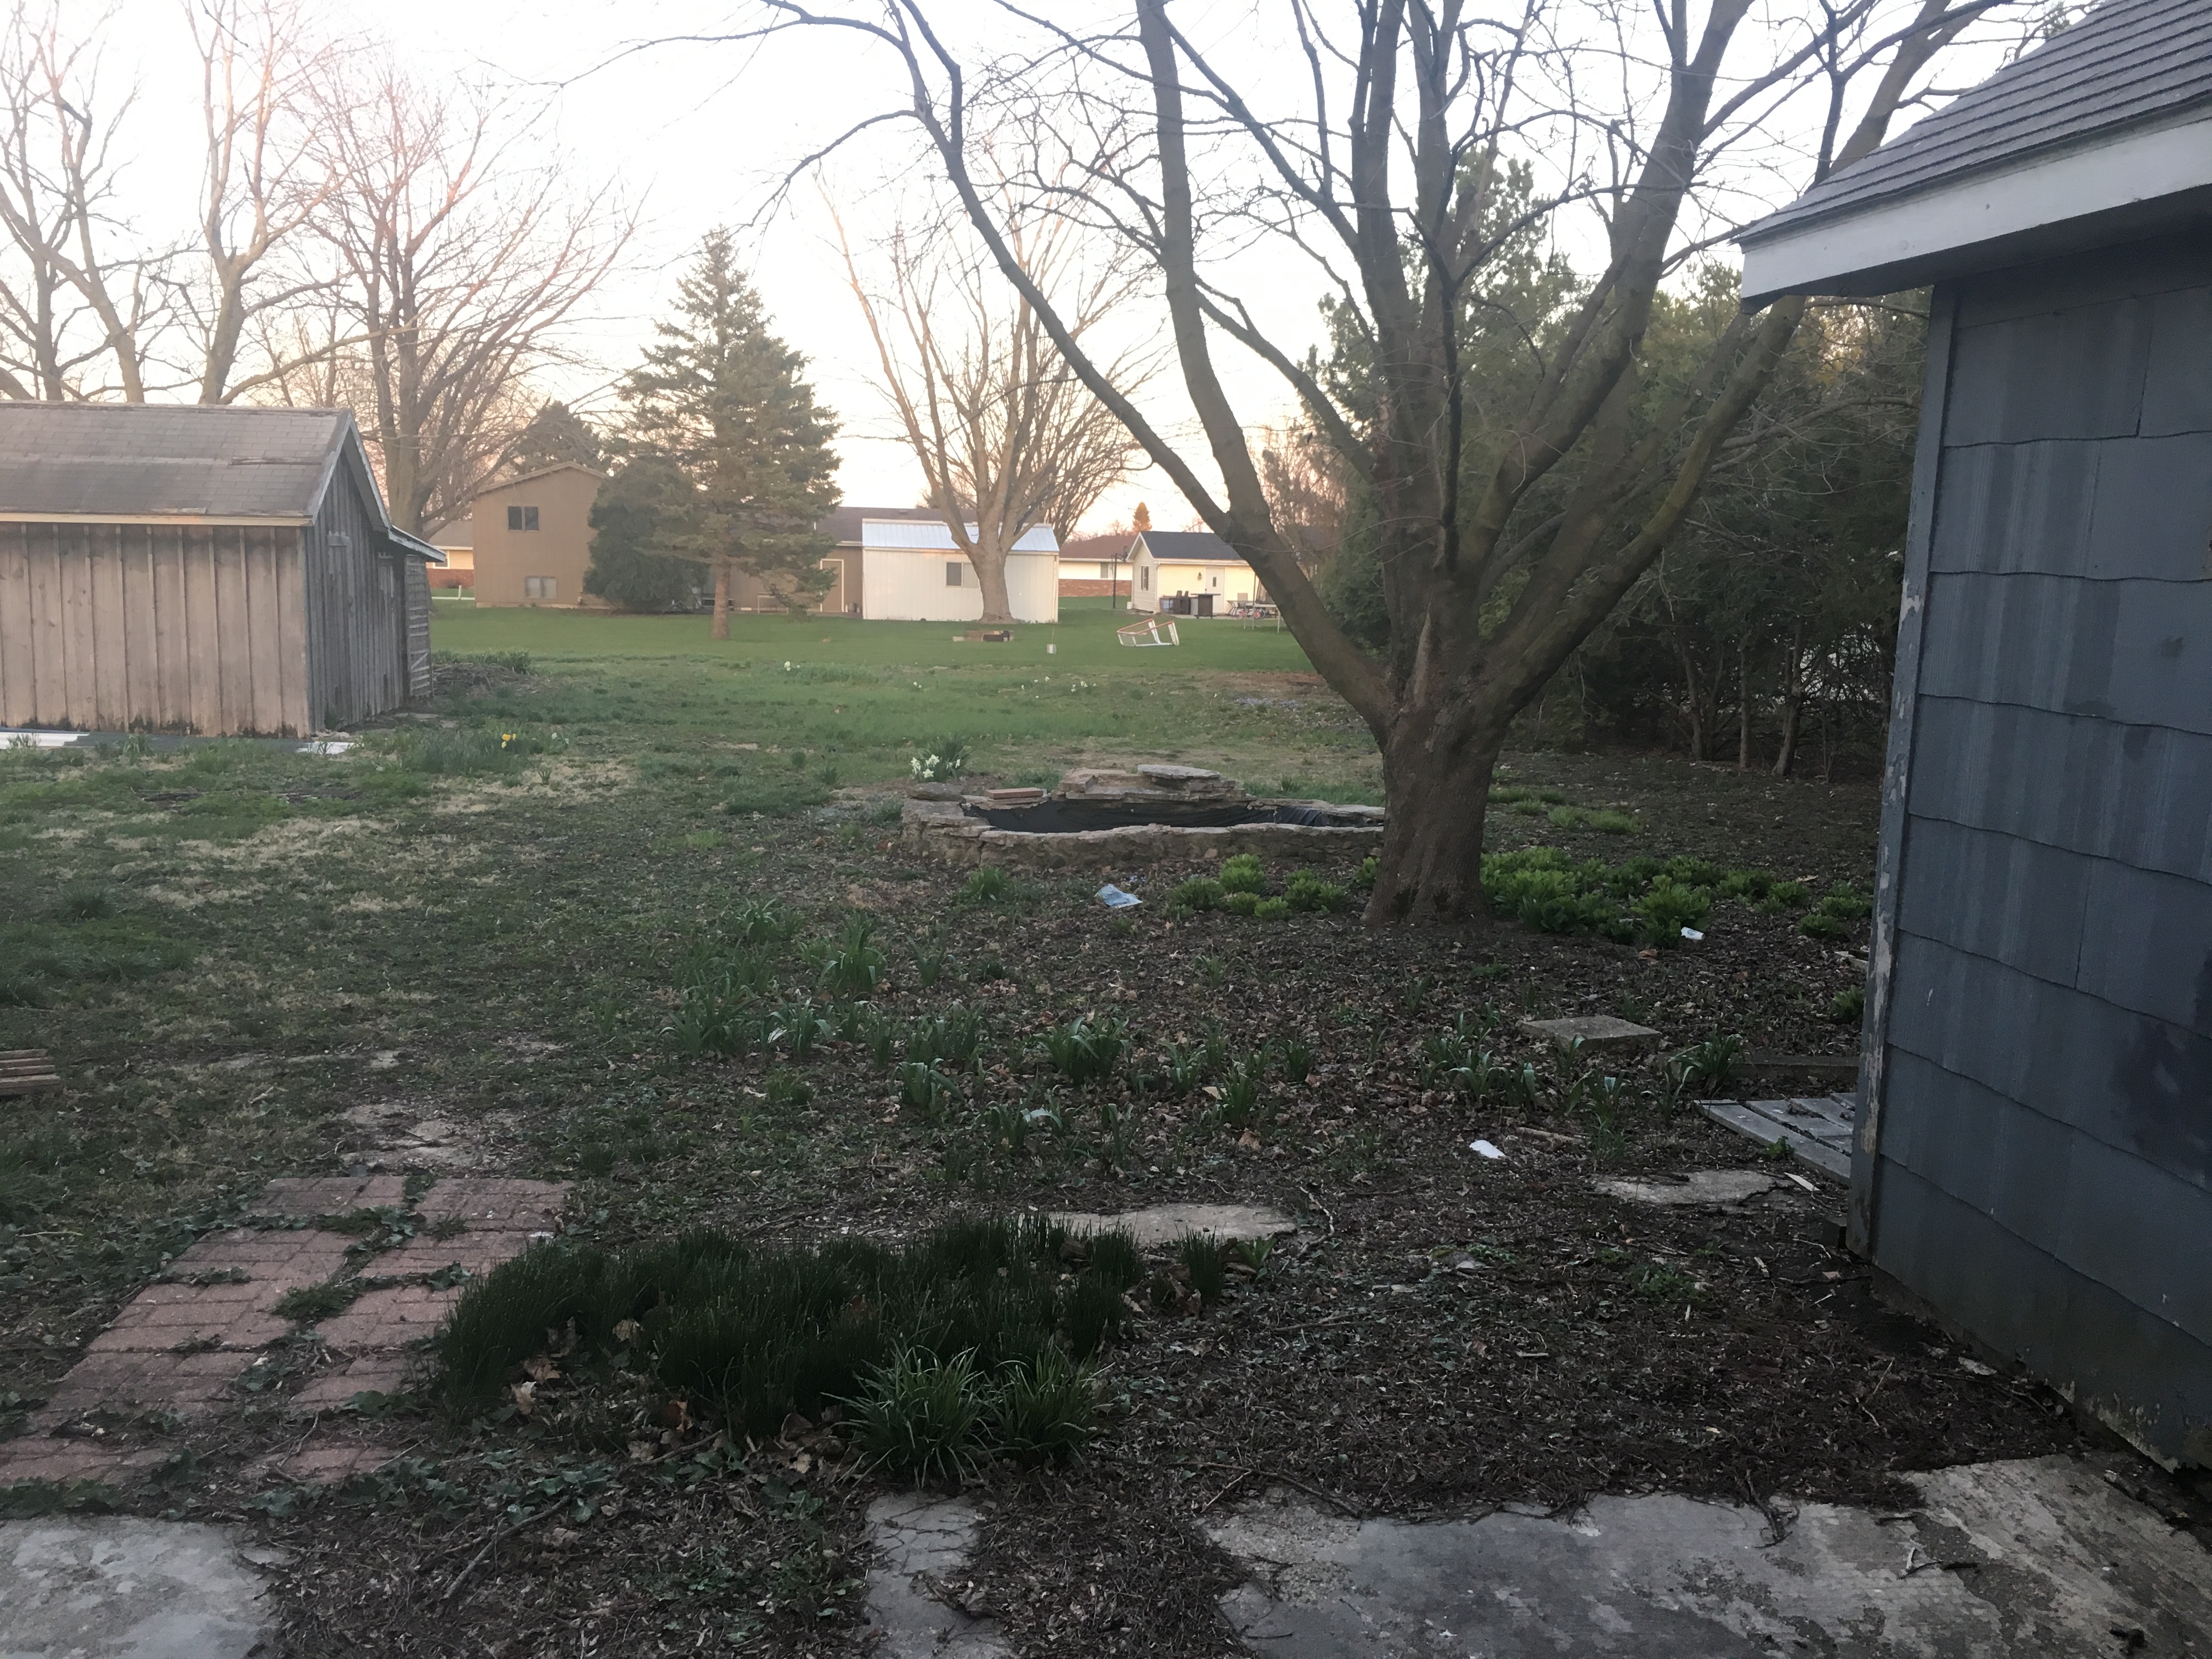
555	434
636	510
722	399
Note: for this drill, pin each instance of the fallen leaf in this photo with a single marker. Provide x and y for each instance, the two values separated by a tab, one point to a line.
539	1369
628	1330
1248	1139
525	1398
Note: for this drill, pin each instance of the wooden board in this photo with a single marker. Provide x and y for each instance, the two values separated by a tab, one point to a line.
26	1071
1817	1129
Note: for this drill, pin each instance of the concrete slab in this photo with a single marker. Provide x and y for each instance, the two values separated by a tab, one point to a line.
1698	1187
2036	1557
1597	1033
113	1588
920	1542
1165	1224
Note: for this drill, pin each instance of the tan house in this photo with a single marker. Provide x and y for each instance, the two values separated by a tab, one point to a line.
1193	572
457	541
1095	567
534	537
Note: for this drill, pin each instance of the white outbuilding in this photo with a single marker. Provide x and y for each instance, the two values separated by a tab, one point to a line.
916	574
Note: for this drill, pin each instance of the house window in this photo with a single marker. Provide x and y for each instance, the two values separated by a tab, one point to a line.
1145	577
522	518
1104	569
537	587
952	573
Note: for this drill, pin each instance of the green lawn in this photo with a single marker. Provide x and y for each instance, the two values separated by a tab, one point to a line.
849	701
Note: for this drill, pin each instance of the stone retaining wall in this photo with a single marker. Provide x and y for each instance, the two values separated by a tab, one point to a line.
942	830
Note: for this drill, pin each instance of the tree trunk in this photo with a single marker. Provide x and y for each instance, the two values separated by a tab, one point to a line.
1742	706
991	577
1793	704
1438	790
721	599
1697	701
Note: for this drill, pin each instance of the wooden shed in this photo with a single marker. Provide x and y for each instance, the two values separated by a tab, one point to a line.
216	571
2033	1156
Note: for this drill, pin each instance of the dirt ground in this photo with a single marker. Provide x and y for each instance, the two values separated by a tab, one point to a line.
1443	1331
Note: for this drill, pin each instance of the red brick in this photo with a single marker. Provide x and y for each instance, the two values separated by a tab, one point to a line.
496	1204
184	1383
479	1252
46	1457
331	1194
390	1318
279	1258
381	1373
323	1465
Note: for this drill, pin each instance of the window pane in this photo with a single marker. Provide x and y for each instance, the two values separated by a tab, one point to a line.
530	518
515	517
952	574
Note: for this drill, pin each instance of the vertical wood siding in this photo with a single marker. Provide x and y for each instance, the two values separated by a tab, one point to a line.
153	627
357	611
2038	1163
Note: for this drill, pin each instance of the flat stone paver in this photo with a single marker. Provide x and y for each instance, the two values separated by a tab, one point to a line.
921	1542
1165	1223
2038	1557
113	1588
1698	1187
1597	1033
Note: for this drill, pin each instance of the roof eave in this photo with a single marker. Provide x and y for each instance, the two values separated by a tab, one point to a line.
2125	185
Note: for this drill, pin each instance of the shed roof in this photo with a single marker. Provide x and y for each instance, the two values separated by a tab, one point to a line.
843	524
933	535
2091	130
126	462
153	460
1202	545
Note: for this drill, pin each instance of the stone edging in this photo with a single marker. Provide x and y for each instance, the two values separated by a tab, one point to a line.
942	830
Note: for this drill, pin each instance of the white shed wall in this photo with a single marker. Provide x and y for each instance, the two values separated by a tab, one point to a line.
904	586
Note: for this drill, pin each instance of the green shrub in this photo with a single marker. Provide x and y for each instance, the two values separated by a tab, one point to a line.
1751	885
1243	873
1848	1007
1198	893
1821	925
1044	1409
1614	824
1667	907
1272	909
1784	895
1241	905
1308	891
922	1414
1369	868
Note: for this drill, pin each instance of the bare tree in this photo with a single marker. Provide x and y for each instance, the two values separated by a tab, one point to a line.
1007	436
76	318
1511	516
462	270
261	186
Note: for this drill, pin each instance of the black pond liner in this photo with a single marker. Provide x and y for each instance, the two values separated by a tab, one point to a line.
1068	817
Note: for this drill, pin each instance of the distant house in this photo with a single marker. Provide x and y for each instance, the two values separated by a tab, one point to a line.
532	537
217	571
916	574
2033	1141
457	541
845	561
1095	567
1189	564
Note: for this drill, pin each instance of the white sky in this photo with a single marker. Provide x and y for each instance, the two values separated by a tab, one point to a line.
695	134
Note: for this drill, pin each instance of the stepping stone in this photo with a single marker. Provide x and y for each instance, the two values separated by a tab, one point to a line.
1818	1128
1697	1187
124	1588
1597	1033
1165	1223
920	1543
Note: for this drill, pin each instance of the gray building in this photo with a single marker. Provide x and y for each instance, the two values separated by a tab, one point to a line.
216	571
2034	1155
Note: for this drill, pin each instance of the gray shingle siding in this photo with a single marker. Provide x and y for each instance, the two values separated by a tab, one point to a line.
2130	64
2043	1174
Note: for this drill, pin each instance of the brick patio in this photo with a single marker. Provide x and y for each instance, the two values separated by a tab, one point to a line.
180	1348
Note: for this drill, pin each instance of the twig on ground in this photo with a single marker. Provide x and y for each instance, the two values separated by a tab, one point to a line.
1329	1498
507	1531
1324	1209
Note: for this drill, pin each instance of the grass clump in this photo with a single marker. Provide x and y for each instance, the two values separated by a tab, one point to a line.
852	966
1272	909
989	886
1839	911
1848	1007
1086	1050
310	1304
970	1341
1241	905
1200	1255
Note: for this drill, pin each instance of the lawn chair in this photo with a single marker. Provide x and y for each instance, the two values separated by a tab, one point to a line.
1147	632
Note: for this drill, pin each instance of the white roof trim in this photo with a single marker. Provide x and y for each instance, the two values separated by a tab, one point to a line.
2135	168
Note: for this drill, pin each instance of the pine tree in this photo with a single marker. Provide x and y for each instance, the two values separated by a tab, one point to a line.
722	399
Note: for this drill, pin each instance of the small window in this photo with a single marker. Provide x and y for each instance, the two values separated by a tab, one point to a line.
1105	570
522	518
952	573
1145	577
537	587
